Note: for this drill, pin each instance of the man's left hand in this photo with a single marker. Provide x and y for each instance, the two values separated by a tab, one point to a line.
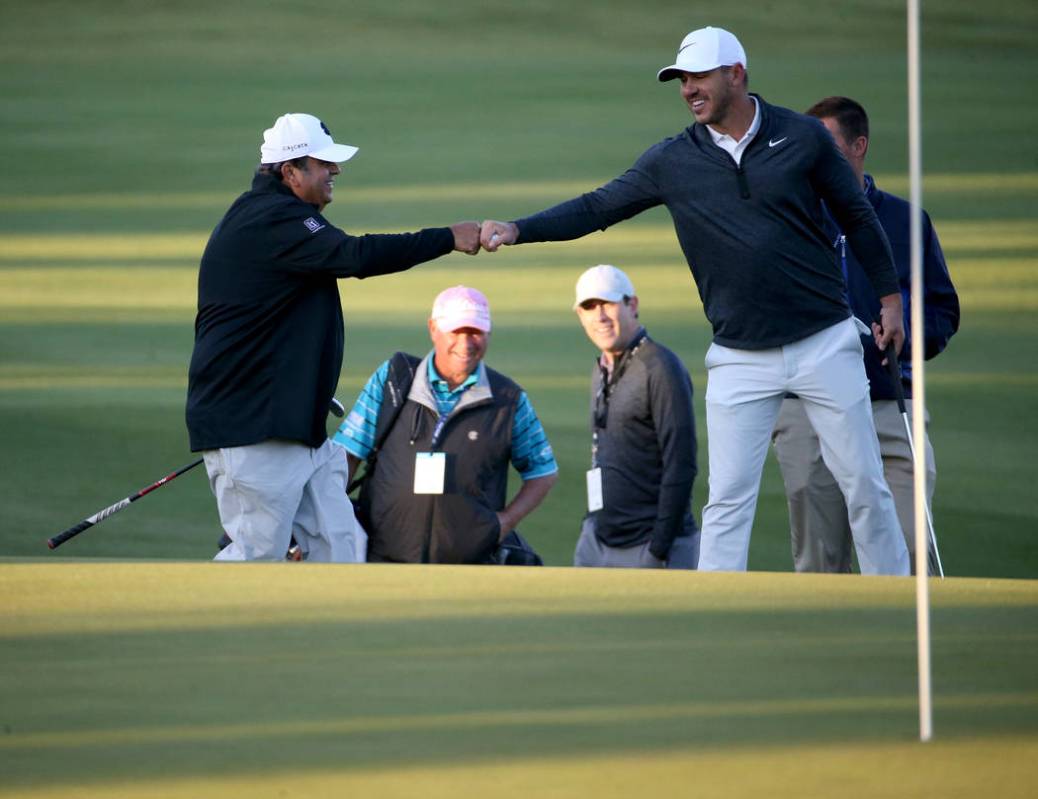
891	326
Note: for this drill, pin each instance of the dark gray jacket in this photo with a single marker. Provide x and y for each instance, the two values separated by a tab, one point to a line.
753	234
644	430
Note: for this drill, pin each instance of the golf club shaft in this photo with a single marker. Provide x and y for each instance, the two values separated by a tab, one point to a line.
101	515
933	553
335	407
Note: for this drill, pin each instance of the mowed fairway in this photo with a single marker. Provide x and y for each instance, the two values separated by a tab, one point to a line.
181	680
127	672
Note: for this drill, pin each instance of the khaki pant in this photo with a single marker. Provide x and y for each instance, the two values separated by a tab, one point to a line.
267	492
819	532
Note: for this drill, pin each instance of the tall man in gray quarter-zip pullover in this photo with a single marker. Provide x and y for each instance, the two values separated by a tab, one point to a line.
744	185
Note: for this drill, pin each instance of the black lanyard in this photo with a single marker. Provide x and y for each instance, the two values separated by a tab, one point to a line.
605	389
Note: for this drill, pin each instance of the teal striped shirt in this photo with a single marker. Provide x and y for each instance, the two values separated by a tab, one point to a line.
531	453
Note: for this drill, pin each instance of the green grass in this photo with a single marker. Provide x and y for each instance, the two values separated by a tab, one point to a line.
172	680
130	128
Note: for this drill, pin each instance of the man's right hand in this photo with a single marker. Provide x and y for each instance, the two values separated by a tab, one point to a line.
494	234
466	237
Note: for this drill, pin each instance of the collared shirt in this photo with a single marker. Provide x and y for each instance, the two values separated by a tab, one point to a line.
730	145
531	454
447	398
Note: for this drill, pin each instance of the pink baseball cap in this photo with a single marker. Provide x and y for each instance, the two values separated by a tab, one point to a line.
461	306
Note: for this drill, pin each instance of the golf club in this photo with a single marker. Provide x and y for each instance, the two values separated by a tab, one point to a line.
894	368
334	407
101	515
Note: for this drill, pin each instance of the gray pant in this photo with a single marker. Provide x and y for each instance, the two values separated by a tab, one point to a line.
590	551
820	534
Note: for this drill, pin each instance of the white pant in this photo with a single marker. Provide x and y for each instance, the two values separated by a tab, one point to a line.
743	396
266	492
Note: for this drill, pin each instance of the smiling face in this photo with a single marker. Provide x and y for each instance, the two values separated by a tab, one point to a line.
609	325
458	352
313	181
712	96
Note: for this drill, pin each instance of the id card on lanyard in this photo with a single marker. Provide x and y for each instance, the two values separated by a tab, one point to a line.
595	500
594	489
430	468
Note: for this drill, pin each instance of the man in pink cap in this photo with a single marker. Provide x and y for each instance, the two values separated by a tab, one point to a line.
437	435
269	346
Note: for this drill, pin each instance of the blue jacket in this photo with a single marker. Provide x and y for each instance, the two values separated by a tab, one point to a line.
940	302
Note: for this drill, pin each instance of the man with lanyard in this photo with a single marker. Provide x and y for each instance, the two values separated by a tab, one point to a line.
744	186
643	433
436	484
819	531
269	346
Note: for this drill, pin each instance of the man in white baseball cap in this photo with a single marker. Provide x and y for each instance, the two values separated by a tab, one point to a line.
643	437
704	50
269	347
745	186
295	135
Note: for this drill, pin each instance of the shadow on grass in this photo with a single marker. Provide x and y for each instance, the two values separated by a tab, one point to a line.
353	694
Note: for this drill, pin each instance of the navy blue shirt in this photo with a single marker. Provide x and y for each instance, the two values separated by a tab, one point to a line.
940	302
753	233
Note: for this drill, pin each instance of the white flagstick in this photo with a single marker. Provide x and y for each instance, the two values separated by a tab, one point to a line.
922	596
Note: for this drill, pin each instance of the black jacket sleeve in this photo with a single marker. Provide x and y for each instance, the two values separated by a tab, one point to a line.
332	251
670	400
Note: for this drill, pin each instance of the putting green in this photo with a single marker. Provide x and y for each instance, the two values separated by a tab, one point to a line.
177	679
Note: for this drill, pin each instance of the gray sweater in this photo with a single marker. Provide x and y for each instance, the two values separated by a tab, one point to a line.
753	234
645	446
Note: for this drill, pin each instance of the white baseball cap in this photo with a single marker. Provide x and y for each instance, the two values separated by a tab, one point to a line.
704	50
461	306
296	135
603	282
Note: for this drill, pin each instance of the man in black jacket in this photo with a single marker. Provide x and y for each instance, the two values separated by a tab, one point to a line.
744	186
643	437
269	346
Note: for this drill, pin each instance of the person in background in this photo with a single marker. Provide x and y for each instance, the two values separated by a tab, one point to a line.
643	437
819	530
438	442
